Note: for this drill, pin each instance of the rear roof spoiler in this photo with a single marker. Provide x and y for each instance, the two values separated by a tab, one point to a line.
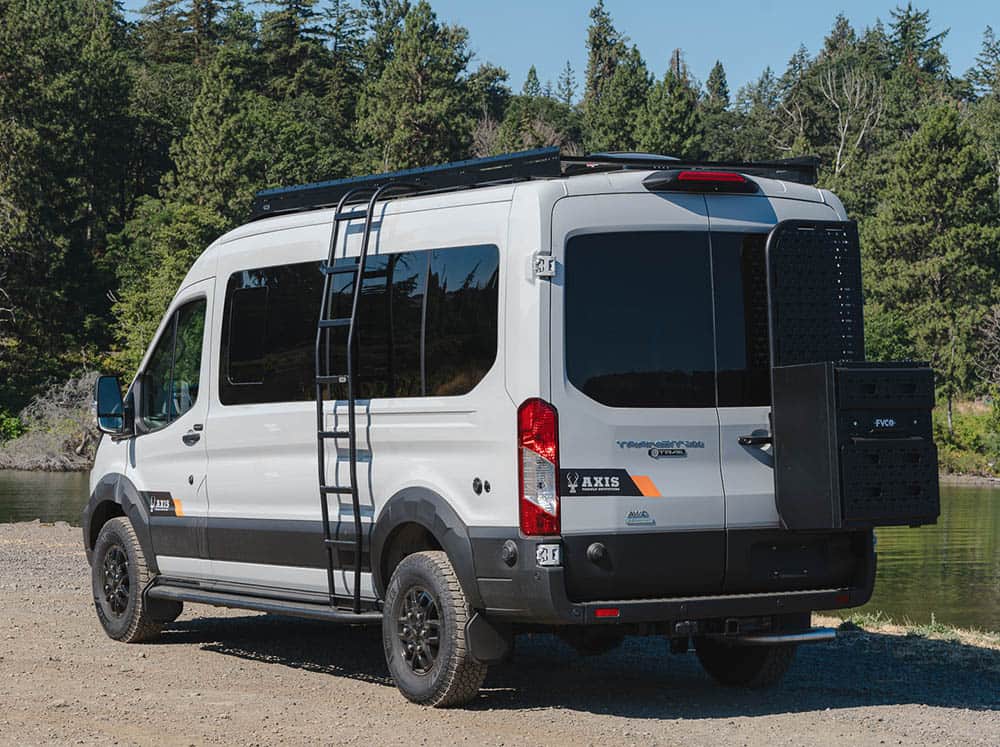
801	169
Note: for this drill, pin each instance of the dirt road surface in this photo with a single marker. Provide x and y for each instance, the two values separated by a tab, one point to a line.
231	677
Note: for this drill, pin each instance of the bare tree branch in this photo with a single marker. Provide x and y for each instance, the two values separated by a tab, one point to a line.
857	99
988	358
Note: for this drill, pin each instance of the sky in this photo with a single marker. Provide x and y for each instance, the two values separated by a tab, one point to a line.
746	36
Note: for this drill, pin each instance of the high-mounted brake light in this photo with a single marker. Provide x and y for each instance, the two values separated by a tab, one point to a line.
697	180
725	177
538	467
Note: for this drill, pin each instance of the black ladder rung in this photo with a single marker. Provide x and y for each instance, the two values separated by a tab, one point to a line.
334	434
331	323
335	490
332	379
351	215
352	270
340	543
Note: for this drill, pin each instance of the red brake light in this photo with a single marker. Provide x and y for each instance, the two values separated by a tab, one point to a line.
699	180
538	467
607	612
723	177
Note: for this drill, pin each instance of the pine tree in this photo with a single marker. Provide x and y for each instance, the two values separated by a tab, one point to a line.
716	88
292	48
566	86
64	93
985	74
531	85
417	112
605	46
668	122
611	120
932	252
218	166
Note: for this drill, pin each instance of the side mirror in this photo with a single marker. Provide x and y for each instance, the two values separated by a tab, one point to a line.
109	406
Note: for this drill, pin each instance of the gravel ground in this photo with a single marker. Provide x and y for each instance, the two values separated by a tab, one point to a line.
231	677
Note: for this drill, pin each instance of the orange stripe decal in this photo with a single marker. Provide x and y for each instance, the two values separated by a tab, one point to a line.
178	508
646	486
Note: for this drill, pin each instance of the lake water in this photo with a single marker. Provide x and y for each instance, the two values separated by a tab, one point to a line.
951	569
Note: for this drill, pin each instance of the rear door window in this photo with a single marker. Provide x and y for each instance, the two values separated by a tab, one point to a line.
740	284
638	309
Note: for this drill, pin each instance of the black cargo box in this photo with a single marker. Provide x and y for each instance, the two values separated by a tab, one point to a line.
853	445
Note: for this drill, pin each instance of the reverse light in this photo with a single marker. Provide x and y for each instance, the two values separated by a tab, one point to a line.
538	467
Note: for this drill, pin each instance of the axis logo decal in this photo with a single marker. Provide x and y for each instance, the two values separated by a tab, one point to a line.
581	482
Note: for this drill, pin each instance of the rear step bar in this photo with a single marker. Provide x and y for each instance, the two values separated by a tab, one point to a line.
816	635
320	611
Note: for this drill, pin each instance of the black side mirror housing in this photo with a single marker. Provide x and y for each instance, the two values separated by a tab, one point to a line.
110	407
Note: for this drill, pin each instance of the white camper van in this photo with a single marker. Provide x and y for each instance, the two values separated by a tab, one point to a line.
521	393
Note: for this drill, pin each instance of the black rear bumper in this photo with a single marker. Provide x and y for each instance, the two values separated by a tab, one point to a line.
530	594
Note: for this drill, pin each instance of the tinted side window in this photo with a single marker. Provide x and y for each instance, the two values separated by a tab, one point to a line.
156	380
171	381
461	337
638	311
741	319
390	314
410	341
269	334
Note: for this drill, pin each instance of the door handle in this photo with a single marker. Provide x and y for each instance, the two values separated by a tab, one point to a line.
191	438
755	440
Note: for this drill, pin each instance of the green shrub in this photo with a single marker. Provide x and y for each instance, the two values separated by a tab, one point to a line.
10	426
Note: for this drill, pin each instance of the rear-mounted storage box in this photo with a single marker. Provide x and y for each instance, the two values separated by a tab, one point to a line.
853	445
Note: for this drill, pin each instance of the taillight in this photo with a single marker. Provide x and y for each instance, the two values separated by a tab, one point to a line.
538	467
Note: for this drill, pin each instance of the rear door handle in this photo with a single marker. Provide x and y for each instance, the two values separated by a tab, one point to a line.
755	440
191	438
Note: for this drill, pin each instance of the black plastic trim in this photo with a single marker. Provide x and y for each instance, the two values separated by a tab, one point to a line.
429	510
116	488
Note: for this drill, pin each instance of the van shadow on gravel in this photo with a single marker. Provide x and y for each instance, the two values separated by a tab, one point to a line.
641	679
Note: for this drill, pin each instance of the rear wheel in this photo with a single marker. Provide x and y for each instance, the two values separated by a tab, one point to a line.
747	666
118	575
423	633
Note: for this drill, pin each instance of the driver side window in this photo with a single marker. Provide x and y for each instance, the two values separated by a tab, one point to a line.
170	382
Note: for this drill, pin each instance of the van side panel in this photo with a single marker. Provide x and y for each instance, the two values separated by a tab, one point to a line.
265	527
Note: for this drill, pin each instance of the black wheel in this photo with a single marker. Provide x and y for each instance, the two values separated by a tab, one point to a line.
423	633
119	574
592	641
746	666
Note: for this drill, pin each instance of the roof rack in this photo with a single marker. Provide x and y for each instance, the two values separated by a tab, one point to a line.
542	163
801	169
475	172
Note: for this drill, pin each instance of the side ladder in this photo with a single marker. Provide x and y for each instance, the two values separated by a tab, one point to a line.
326	379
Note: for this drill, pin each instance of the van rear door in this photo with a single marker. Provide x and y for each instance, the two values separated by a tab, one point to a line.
633	381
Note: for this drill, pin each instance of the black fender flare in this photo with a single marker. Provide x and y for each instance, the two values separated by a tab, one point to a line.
426	508
115	487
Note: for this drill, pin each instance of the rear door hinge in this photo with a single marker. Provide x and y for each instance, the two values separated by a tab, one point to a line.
544	266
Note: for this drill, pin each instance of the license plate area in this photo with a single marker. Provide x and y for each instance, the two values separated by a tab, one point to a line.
548	555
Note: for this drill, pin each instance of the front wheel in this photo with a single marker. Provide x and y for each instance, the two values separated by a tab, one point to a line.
747	666
119	574
423	633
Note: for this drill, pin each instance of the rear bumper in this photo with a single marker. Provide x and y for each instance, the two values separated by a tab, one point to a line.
527	593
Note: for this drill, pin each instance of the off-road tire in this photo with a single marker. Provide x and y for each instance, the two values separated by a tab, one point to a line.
744	666
124	618
592	642
454	677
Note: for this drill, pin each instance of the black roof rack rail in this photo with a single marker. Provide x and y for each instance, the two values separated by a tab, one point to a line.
801	169
475	172
542	163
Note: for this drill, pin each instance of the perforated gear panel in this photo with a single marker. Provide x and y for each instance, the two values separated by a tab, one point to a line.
814	288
